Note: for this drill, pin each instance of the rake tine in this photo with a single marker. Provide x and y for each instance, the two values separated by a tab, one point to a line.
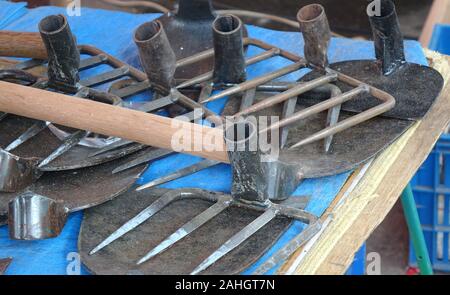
207	89
92	61
106	77
188	228
288	110
28	64
237	239
143	216
27	135
180	173
288	249
151	156
248	99
110	147
332	120
68	143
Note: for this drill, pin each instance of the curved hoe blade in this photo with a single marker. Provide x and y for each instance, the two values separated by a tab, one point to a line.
284	253
27	135
188	228
147	213
180	173
237	239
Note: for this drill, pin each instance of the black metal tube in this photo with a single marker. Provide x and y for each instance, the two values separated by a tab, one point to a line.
316	34
388	39
157	56
63	54
229	59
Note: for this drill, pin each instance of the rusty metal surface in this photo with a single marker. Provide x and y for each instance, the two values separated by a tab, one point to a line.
121	256
82	188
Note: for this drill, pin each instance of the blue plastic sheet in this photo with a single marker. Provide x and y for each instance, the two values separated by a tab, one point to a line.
112	32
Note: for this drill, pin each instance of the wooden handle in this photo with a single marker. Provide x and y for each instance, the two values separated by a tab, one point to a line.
111	120
20	44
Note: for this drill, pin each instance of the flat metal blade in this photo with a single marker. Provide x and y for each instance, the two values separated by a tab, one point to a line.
105	77
180	173
332	120
284	253
68	143
188	228
151	156
237	239
144	215
27	135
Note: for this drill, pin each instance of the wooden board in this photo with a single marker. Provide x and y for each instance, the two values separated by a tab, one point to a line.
355	215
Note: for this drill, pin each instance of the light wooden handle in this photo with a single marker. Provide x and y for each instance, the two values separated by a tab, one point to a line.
20	44
111	120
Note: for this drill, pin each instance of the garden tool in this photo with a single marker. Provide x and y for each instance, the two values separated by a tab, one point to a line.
39	211
4	263
256	182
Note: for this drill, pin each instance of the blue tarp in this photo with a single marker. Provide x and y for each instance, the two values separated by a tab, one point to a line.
112	32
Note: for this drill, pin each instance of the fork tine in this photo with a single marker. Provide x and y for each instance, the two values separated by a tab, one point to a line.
237	239
188	228
27	135
144	215
68	143
151	156
180	173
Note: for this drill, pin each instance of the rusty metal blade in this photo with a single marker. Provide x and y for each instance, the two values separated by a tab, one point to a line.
144	215
180	173
188	228
68	143
27	135
236	240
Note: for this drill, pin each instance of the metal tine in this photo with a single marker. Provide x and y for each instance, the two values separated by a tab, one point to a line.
237	239
205	164
284	253
106	77
323	106
111	147
288	110
93	61
133	89
188	228
68	143
28	64
144	215
250	61
294	91
27	135
332	117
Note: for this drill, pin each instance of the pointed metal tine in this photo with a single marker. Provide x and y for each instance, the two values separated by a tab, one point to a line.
92	61
288	110
188	228
27	135
207	89
68	143
143	216
151	156
110	147
106	77
180	173
3	115
237	239
248	99
132	89
332	120
284	253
